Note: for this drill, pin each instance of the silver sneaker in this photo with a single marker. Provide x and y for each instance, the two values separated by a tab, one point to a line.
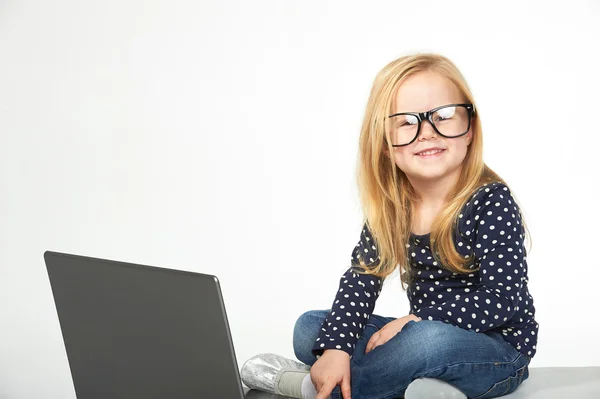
262	371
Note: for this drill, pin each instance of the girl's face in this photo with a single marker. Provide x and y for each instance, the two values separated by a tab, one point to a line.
419	93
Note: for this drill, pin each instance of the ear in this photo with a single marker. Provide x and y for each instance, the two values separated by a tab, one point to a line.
469	137
386	151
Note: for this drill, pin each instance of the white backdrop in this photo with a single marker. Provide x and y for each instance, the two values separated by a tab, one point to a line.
221	137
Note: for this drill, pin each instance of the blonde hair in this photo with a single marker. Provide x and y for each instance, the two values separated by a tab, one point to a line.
386	194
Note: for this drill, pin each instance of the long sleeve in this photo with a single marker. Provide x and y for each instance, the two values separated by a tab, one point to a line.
494	230
354	302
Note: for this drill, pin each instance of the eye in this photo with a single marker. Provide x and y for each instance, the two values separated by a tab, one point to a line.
405	121
444	114
410	120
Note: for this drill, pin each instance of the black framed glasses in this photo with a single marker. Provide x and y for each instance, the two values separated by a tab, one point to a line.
450	121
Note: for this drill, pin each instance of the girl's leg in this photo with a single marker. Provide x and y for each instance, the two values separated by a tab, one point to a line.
480	365
307	328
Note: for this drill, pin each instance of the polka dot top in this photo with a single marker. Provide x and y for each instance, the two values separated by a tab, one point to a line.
493	298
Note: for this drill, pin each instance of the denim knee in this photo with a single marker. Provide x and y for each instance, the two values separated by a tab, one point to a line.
427	338
306	330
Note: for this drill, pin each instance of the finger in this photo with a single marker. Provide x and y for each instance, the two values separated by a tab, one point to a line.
375	345
372	346
317	384
380	341
371	342
346	387
375	342
325	390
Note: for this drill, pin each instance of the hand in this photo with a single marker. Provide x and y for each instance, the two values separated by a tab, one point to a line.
331	369
388	331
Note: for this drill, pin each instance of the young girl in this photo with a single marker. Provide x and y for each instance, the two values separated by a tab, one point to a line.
434	210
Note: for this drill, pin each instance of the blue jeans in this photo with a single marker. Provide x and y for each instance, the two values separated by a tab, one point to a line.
481	365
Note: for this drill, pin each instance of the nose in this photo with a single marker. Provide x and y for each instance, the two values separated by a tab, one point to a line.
427	131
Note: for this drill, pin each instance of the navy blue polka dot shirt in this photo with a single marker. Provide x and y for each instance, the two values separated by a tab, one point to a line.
493	298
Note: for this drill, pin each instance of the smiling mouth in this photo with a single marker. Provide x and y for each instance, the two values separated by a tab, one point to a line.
429	154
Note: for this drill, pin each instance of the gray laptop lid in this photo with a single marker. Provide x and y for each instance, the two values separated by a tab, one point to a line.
134	331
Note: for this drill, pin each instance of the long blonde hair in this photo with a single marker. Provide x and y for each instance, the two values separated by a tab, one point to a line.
385	192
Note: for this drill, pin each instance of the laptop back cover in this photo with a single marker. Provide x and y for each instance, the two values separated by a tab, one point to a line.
134	331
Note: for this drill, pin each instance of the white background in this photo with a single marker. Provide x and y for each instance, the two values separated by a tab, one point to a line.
221	137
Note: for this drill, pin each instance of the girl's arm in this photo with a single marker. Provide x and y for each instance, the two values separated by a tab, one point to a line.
354	302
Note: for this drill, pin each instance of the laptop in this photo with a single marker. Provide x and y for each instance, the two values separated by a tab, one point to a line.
134	331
